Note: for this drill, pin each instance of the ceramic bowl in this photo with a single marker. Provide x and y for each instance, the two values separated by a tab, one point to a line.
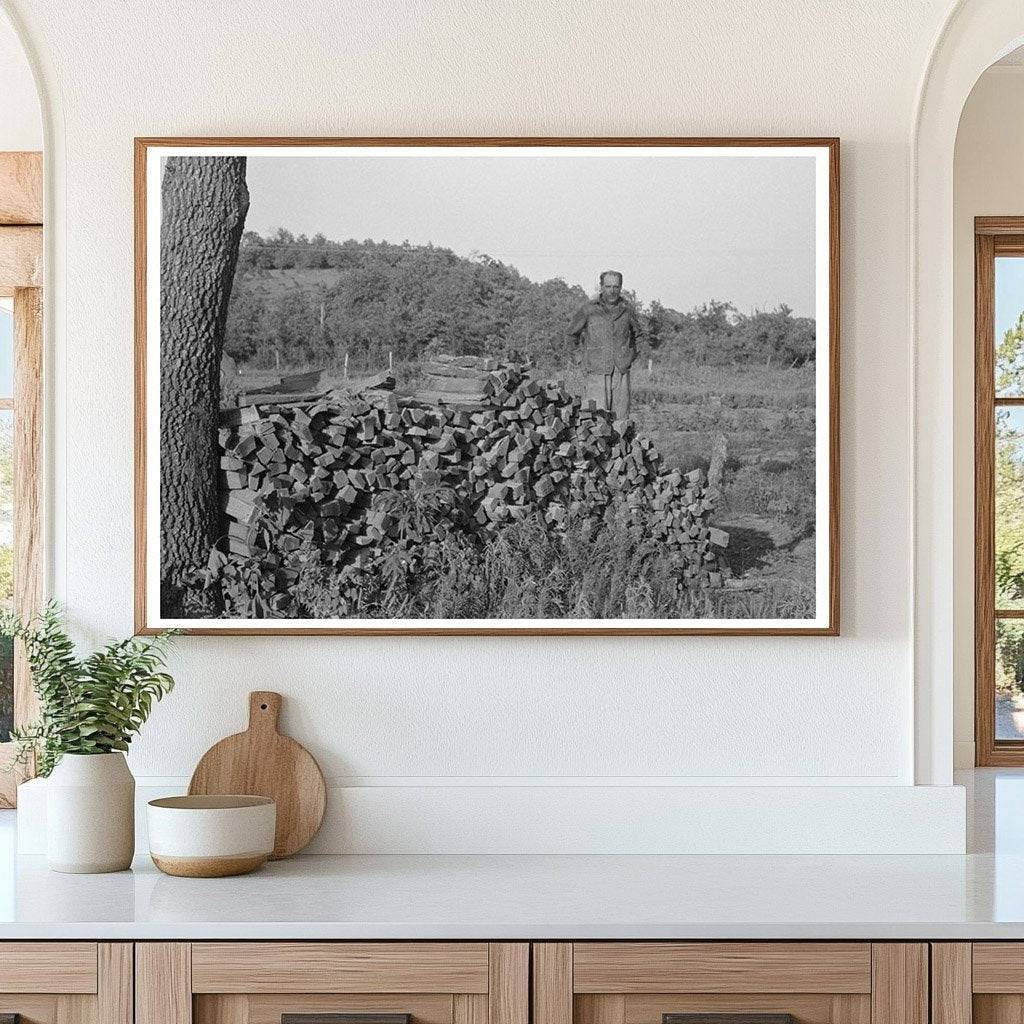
211	836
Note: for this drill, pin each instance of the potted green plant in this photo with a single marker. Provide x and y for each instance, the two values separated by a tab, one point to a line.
89	710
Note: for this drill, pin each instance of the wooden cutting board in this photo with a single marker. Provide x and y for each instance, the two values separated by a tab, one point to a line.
262	762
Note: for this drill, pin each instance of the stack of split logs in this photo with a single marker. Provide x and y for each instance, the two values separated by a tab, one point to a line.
491	444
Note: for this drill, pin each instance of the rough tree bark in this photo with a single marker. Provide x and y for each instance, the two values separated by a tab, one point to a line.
204	203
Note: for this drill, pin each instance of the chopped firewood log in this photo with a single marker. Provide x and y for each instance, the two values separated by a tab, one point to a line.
233	417
240	505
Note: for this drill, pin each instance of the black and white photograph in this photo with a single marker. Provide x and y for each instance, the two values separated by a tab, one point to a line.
513	386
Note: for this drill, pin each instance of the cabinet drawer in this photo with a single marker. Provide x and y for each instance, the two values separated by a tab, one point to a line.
262	982
339	967
48	967
630	967
747	982
66	982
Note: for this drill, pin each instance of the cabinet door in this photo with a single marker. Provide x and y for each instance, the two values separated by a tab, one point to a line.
66	982
980	982
332	983
737	982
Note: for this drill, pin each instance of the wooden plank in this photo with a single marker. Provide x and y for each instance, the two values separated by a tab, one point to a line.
600	1009
467	1009
163	983
28	482
899	983
997	967
21	258
951	983
65	967
31	1009
552	983
851	1009
339	967
999	226
458	384
225	1009
260	398
21	188
997	1009
475	399
984	502
454	370
76	1009
721	967
115	1003
508	992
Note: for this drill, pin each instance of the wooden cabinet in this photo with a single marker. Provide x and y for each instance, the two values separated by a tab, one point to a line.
260	982
980	982
493	983
646	982
66	982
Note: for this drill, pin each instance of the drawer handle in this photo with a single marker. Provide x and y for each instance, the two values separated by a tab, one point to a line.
340	1018
728	1018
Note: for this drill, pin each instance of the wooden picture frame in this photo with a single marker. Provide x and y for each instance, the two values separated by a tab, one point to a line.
825	621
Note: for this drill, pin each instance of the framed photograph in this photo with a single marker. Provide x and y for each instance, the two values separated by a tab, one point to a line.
487	386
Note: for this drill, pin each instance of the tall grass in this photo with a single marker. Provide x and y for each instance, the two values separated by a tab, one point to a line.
607	570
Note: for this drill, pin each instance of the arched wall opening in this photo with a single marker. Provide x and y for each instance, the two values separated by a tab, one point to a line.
21	119
975	35
987	182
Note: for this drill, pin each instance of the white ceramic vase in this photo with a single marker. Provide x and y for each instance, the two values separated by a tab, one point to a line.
90	814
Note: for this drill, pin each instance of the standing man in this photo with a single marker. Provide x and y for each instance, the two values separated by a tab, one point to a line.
608	331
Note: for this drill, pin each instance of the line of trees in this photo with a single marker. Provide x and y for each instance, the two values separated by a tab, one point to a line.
299	300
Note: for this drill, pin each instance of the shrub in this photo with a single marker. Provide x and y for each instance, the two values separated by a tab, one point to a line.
90	705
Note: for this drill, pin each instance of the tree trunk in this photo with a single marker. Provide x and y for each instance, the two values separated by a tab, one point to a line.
204	203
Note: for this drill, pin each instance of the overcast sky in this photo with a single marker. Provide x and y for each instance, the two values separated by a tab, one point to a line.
682	229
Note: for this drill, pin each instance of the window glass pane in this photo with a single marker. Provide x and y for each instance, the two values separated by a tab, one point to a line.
1009	486
1009	679
6	567
1009	326
6	349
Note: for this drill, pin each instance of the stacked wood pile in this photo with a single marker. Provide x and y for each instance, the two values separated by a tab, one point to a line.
301	474
459	379
299	389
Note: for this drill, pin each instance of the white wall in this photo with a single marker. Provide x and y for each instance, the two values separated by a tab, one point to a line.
21	125
988	181
441	713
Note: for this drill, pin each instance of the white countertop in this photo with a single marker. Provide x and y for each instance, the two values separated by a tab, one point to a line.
532	897
977	896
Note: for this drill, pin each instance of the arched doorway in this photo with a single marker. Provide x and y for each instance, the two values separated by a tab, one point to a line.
975	35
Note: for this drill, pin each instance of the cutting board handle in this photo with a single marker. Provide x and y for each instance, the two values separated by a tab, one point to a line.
264	710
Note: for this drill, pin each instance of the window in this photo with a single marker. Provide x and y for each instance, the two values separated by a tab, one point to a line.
6	510
21	254
999	490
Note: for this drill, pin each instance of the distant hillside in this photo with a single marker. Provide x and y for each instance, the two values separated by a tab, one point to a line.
301	301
